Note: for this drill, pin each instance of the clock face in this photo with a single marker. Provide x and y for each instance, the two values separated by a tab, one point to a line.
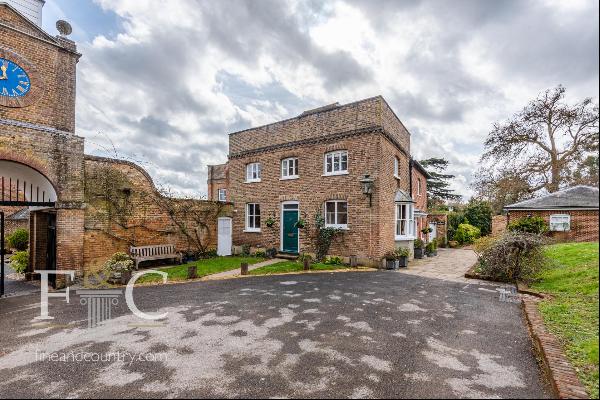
14	81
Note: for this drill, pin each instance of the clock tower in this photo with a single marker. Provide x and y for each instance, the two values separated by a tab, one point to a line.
38	145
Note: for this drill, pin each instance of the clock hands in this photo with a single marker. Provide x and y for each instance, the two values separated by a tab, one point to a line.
4	67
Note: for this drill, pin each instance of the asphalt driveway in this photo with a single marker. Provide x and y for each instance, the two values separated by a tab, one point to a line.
356	334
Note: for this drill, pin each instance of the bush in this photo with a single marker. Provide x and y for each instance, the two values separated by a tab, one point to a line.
430	248
515	256
19	261
119	262
245	249
454	220
484	243
334	261
479	214
19	239
466	234
535	225
419	244
260	254
402	252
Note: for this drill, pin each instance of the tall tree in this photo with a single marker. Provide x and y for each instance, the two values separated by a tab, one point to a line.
438	186
540	148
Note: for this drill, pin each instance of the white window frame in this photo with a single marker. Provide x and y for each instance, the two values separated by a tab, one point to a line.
409	218
396	168
285	168
253	172
222	194
336	159
419	183
336	214
251	225
561	223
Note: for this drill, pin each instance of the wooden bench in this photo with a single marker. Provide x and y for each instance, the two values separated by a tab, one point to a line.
154	252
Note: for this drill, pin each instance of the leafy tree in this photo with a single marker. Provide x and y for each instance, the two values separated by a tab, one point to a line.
438	186
479	214
540	148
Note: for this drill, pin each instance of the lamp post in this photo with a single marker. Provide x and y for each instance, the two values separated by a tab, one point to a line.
368	184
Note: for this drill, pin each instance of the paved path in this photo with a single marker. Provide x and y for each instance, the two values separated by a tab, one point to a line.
449	265
17	287
236	272
356	334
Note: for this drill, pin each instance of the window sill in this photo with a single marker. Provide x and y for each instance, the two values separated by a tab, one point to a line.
340	227
253	181
397	177
404	238
289	178
335	173
251	230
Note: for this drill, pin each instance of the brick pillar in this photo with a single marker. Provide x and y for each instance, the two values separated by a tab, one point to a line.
69	240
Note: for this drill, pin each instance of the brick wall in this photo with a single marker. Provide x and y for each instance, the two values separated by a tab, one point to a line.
130	212
361	115
218	178
584	224
499	223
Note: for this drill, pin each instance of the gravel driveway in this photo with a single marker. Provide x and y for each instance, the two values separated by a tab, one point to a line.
356	334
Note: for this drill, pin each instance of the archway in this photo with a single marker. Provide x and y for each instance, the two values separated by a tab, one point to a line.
22	186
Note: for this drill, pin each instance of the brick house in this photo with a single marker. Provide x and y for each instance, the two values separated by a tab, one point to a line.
571	214
318	163
92	206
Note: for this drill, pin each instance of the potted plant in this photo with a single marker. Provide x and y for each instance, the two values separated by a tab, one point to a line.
391	261
119	267
429	249
270	222
419	249
300	224
426	230
402	255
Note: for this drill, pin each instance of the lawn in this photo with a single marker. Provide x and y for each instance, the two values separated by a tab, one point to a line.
293	266
203	267
572	313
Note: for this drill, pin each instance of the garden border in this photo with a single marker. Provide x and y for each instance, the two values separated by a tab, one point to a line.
555	364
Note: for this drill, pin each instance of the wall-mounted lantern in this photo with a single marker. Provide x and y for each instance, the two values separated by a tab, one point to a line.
368	184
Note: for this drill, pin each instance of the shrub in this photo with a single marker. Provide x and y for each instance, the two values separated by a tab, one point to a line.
119	262
19	239
304	256
515	256
245	249
484	243
535	225
430	248
454	220
260	253
466	234
334	261
402	252
19	261
479	214
419	244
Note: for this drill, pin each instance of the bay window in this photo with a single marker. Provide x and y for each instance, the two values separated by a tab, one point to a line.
336	214
336	163
405	221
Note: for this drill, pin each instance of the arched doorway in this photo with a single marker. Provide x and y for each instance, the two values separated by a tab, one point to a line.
22	186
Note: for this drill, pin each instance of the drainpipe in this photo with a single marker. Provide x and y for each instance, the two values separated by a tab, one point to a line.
410	176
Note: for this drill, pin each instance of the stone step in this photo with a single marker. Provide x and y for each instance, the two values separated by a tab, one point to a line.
287	256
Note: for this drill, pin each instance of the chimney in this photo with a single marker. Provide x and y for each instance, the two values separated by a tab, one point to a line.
32	9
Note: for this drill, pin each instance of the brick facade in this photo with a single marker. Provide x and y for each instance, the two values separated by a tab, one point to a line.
371	134
584	223
218	179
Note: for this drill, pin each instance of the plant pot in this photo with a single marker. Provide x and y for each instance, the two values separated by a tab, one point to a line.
403	262
390	263
125	277
419	253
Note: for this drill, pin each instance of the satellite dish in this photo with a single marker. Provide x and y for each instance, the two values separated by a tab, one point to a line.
63	27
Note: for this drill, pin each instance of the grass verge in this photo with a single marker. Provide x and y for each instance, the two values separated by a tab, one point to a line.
572	312
203	267
293	266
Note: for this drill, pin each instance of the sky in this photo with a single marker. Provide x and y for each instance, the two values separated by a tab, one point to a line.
163	83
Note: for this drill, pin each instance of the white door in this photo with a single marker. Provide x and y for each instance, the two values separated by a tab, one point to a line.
224	236
433	233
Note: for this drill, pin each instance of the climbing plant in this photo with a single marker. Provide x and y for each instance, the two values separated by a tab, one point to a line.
323	237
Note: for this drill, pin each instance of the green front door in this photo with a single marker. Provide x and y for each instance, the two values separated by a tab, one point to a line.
290	231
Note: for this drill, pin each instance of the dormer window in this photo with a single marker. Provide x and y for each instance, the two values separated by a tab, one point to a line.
336	163
253	172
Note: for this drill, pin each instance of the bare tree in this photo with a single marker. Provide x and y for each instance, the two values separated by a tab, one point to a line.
541	147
